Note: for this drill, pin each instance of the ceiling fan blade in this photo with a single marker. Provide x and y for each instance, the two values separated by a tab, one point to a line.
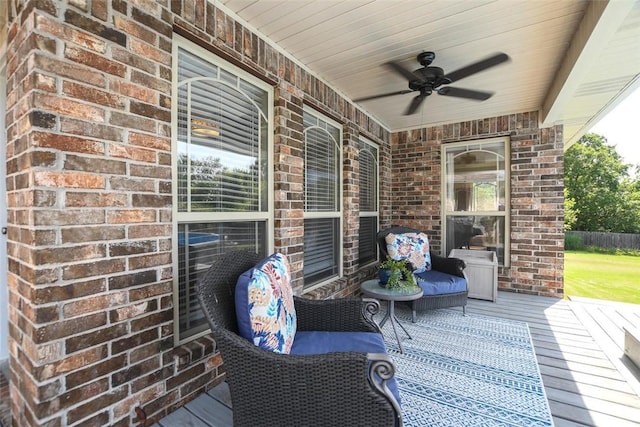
384	95
465	93
415	104
476	67
406	73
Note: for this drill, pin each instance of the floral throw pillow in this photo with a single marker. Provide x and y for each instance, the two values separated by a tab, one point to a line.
413	247
264	305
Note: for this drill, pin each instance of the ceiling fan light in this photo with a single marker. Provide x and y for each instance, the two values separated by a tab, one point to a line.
204	128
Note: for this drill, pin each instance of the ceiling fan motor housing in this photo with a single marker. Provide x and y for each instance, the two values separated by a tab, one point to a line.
428	77
426	58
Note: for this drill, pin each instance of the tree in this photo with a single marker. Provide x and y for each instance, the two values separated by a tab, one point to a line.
597	180
206	185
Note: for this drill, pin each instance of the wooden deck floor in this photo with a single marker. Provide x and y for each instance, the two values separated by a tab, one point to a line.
578	344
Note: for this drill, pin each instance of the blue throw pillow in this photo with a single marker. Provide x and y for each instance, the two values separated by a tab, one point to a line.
413	247
264	305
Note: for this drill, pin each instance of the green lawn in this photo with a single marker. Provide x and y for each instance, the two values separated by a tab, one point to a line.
602	276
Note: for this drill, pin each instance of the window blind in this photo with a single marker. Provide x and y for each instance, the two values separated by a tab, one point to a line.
368	183
322	251
368	249
321	172
368	178
222	161
199	246
320	254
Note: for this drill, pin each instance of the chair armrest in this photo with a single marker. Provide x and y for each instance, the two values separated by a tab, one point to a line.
350	314
453	266
327	389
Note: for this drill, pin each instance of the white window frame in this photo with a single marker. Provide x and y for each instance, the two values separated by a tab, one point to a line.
266	216
447	211
323	215
376	212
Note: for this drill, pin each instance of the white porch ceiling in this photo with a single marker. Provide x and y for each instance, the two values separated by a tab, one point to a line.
571	60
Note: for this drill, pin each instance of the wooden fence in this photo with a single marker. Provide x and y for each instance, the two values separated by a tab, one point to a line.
608	240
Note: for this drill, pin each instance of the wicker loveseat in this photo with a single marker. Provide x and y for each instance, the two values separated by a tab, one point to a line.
338	387
444	285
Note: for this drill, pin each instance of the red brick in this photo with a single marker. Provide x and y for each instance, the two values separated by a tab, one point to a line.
147	261
93	304
149	18
94	60
135	61
150	291
73	362
131	216
81	271
131	90
87	200
133	153
132	122
66	292
132	310
147	51
57	217
69	327
68	180
132	279
133	341
94	27
93	95
101	402
89	234
100	9
149	230
144	79
64	32
68	107
56	255
90	130
134	29
149	141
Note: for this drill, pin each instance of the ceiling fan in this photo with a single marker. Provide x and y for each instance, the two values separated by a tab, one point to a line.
428	79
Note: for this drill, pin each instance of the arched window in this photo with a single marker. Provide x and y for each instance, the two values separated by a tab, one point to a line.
322	199
476	194
221	178
368	183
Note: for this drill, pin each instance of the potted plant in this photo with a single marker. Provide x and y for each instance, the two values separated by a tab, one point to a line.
394	274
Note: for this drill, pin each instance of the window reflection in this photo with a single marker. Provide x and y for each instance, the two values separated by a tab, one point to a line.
476	195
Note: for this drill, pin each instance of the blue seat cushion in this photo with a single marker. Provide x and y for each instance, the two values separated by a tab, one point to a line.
435	282
322	342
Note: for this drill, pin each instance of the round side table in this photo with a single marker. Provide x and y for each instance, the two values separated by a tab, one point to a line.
372	289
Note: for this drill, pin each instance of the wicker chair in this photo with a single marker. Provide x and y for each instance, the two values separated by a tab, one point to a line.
273	389
452	266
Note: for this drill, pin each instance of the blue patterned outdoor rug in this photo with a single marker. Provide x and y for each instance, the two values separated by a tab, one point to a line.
467	371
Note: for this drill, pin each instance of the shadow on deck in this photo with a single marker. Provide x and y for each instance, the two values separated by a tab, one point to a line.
579	347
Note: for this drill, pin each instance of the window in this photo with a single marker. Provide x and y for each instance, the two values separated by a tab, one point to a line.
476	196
322	205
221	164
368	249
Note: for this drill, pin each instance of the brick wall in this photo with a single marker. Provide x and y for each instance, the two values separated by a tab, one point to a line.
537	211
89	200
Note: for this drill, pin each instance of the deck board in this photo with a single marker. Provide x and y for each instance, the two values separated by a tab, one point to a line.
587	380
216	413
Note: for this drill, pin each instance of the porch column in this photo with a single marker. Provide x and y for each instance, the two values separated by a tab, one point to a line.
89	204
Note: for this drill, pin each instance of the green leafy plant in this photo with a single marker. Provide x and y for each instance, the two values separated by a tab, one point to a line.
400	273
